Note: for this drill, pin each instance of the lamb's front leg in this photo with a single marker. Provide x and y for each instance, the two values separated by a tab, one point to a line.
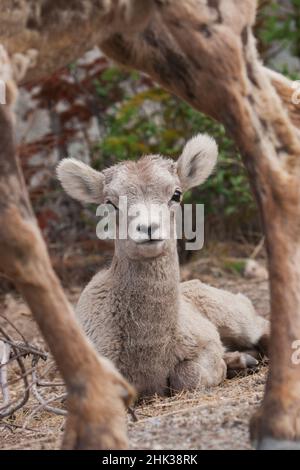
199	352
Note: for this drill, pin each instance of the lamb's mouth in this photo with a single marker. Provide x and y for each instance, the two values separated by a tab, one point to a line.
151	241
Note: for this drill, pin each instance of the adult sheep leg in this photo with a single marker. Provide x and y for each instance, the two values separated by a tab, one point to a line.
277	423
230	84
95	390
270	145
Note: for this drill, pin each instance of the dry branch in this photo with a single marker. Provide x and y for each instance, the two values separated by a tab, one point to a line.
11	353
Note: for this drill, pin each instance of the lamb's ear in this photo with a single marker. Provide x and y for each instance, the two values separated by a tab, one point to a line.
197	161
80	180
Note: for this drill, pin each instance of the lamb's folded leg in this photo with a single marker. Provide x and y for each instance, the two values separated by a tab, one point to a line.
239	325
207	369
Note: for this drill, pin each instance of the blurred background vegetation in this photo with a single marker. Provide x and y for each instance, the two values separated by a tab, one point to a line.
137	117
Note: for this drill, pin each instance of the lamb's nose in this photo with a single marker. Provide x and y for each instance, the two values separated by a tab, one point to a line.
148	229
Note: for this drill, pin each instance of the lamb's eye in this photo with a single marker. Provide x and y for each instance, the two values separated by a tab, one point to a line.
111	204
176	196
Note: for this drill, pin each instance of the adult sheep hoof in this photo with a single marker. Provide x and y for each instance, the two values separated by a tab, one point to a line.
269	443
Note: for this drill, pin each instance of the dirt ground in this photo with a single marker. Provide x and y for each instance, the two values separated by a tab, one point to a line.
217	418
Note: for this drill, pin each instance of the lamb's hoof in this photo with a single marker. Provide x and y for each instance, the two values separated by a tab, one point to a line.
250	361
239	362
269	443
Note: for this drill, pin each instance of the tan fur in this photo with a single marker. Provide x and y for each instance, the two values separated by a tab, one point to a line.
159	333
204	52
60	32
96	391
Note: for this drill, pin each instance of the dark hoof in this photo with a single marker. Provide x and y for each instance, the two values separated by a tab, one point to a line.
250	360
269	443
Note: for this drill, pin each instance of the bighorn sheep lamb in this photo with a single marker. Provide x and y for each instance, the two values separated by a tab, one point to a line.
161	334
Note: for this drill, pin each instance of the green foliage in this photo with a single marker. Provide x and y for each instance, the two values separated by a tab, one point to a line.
278	28
234	266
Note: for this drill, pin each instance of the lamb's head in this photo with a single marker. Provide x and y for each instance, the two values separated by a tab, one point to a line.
143	194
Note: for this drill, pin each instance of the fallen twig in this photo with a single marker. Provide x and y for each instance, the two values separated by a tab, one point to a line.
11	352
43	406
4	358
41	399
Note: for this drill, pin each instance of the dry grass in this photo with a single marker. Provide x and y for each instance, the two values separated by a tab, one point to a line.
207	419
